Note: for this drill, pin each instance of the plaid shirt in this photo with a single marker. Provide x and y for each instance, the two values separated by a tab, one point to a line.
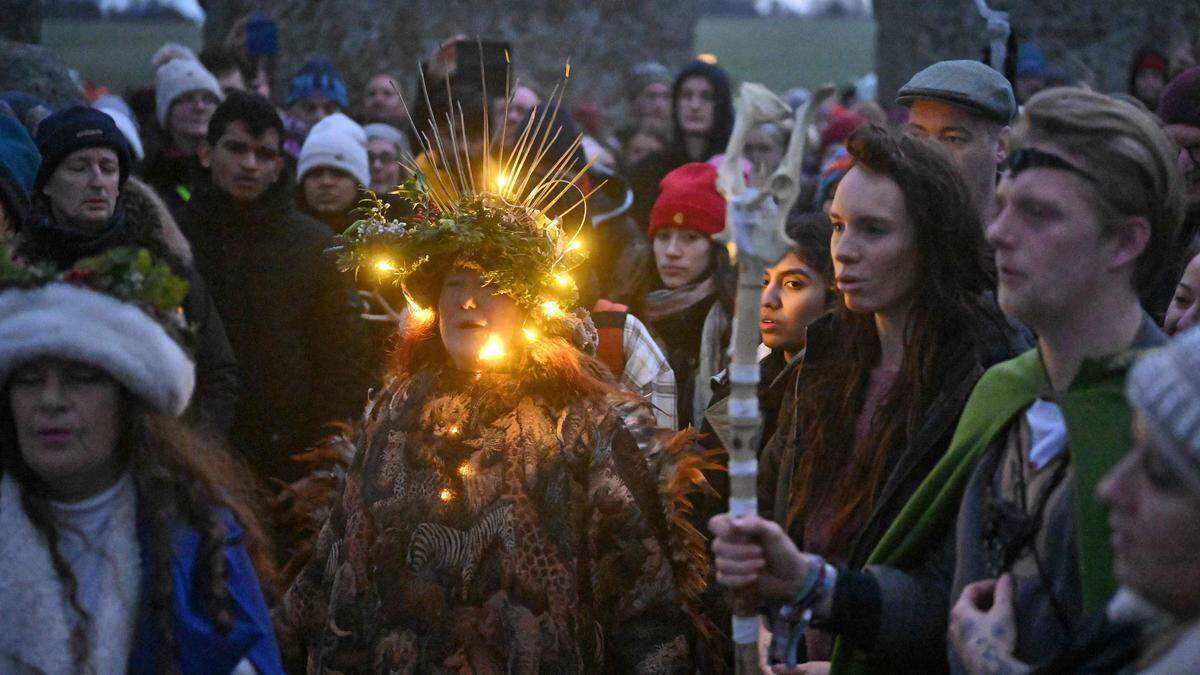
647	372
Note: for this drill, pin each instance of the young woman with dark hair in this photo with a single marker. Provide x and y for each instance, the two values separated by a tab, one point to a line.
702	121
688	297
127	542
886	376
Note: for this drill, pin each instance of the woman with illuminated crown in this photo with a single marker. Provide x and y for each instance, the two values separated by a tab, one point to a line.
499	516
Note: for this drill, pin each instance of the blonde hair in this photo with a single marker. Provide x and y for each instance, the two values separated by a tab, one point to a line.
1125	151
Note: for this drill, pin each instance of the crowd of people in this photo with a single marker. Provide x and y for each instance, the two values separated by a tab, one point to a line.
327	380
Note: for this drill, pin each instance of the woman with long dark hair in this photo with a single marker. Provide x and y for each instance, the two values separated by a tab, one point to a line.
702	120
127	542
886	376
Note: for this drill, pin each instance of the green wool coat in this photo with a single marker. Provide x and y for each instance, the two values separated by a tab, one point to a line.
1098	428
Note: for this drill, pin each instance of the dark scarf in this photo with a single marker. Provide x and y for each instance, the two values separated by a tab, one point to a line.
43	238
666	302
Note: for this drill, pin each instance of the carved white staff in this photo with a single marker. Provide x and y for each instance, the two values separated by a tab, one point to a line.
998	30
754	223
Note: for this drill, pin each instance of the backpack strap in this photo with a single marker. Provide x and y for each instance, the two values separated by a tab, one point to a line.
609	318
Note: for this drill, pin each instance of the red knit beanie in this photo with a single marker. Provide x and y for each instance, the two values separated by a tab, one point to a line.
1152	61
688	199
840	126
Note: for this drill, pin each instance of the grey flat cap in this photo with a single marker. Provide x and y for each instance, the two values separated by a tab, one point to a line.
967	84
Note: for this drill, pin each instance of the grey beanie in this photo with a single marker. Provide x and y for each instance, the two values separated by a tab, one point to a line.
388	132
1164	386
646	73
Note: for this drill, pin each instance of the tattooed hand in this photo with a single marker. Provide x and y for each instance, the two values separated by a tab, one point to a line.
983	629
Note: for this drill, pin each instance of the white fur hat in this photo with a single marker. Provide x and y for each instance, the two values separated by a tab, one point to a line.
339	142
176	78
70	322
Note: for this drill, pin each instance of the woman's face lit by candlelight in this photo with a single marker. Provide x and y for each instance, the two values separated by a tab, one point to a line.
470	314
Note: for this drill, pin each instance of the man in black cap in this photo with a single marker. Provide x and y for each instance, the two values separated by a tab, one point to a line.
966	106
84	203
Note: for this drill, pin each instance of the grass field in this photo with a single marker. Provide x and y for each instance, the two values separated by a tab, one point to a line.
778	52
115	53
790	51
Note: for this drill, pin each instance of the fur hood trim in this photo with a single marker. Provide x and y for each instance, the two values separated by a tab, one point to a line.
150	219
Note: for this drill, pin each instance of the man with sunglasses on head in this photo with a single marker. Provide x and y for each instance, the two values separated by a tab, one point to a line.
291	317
1088	210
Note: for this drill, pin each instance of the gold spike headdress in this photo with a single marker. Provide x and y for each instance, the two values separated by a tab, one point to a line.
489	213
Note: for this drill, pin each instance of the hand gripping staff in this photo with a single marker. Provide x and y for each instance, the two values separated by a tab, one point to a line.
754	224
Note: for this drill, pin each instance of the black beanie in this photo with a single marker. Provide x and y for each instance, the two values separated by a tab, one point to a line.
76	128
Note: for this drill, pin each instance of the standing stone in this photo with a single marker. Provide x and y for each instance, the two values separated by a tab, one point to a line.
602	38
22	21
39	71
1092	41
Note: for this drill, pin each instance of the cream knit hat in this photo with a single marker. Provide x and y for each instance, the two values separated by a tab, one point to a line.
176	78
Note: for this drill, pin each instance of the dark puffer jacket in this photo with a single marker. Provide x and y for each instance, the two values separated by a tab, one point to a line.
291	318
142	220
173	176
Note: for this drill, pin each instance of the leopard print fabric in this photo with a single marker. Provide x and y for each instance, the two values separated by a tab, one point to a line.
483	529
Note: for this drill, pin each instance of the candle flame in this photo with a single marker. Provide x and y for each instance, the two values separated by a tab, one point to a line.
464	470
575	245
493	349
501	182
417	313
563	280
445	495
551	309
384	266
530	334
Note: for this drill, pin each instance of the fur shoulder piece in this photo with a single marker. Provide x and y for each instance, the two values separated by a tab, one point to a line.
27	581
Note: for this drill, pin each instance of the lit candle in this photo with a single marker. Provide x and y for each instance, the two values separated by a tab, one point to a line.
418	313
493	349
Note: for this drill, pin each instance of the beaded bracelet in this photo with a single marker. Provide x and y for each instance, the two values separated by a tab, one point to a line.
796	615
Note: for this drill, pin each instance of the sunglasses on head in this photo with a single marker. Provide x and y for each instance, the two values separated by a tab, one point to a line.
1030	158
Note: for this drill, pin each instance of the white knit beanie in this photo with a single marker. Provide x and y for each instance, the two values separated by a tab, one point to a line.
127	126
338	142
78	324
1164	386
176	78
